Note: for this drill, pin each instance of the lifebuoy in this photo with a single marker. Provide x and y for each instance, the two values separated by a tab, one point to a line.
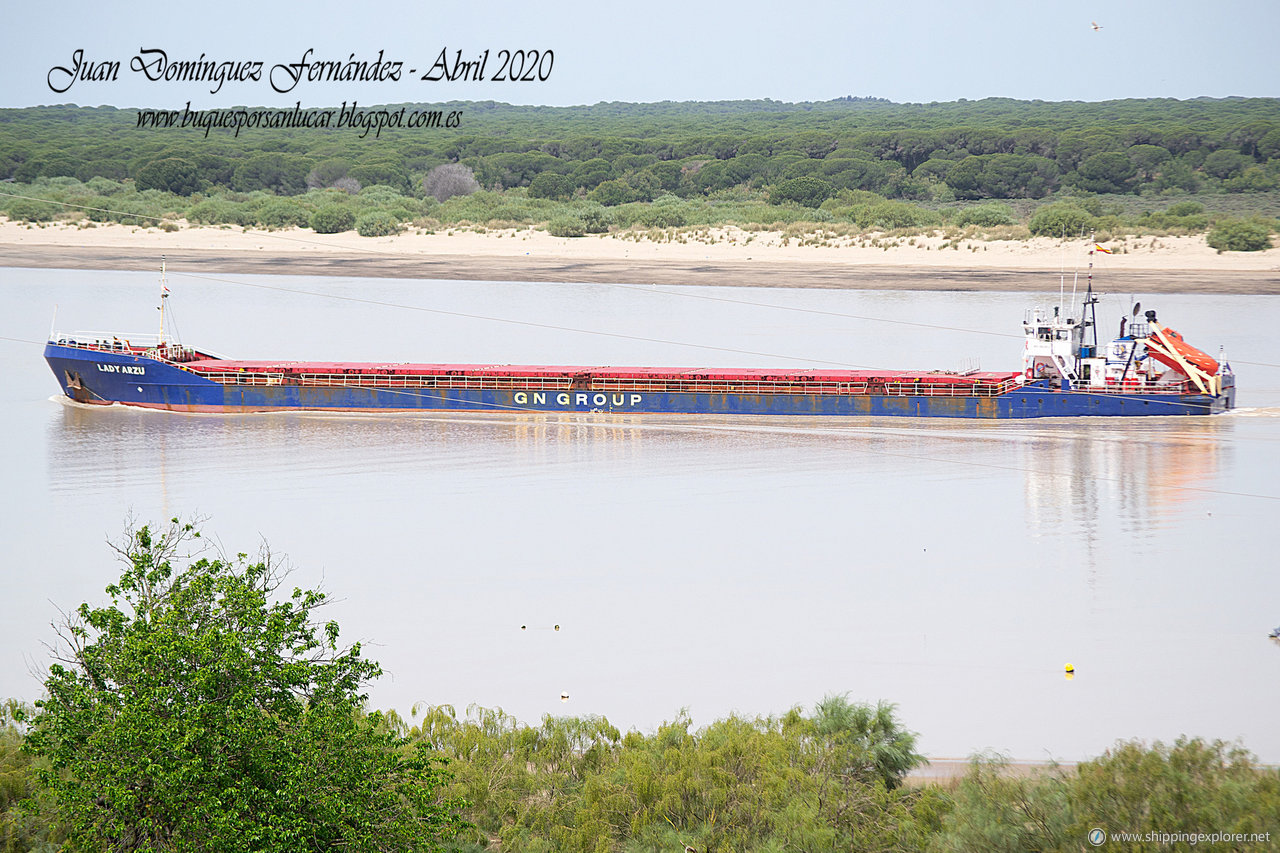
1041	370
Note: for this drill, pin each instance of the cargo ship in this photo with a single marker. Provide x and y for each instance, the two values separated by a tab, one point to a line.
1148	369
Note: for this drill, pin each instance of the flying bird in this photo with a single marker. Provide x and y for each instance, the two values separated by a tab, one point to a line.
1096	26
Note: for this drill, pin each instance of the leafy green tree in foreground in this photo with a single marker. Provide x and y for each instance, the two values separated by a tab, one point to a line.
198	712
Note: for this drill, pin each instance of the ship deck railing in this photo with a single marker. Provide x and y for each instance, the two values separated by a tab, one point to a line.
109	341
1128	389
393	381
148	346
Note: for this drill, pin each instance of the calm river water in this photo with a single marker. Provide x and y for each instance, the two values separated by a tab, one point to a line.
723	565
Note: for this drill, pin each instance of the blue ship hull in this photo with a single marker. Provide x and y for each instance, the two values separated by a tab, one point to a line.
107	377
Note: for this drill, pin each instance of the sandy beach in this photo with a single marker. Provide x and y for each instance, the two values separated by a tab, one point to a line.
722	256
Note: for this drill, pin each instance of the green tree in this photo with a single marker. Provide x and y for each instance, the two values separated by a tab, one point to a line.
1188	786
1148	159
1269	145
382	172
809	191
283	174
1226	164
1004	812
327	172
172	174
551	185
612	193
667	173
200	710
590	173
1003	176
866	739
1179	175
1109	172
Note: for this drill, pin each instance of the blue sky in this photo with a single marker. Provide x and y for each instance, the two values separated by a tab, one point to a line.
657	50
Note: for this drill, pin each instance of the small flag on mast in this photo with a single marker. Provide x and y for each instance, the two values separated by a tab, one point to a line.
1101	248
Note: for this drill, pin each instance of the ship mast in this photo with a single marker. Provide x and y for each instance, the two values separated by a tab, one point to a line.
1090	301
164	295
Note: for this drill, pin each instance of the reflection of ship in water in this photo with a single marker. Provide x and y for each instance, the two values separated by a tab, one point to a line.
1139	475
116	447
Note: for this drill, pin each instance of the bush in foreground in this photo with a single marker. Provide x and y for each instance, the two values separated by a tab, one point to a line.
1189	787
201	710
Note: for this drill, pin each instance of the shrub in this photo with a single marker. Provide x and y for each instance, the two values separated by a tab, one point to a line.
451	179
332	220
98	208
377	224
986	216
567	226
25	210
282	213
217	211
664	214
104	186
1240	235
1059	220
807	191
888	215
379	194
1185	208
595	219
350	186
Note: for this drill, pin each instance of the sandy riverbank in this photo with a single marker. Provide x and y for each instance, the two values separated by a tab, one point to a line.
725	256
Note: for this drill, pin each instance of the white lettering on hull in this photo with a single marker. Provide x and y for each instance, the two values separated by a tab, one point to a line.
581	400
132	369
